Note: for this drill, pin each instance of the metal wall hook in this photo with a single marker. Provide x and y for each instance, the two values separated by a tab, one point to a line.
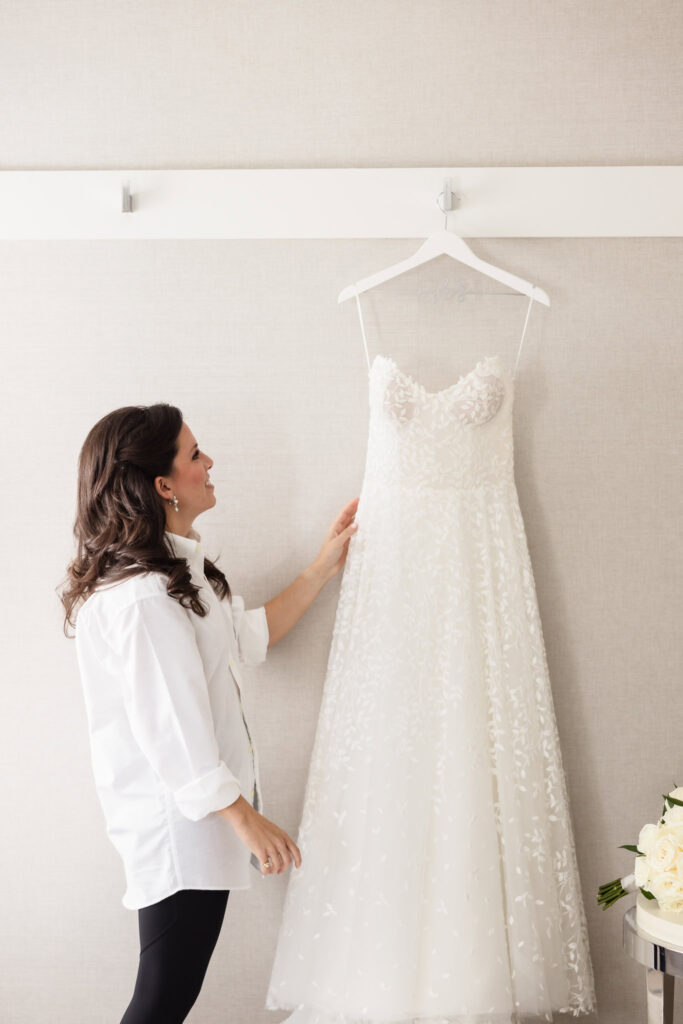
450	200
126	198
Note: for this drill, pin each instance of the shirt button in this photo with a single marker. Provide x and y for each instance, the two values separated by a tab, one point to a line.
252	793
250	748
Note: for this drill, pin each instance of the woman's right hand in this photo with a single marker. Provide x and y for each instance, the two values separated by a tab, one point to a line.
263	837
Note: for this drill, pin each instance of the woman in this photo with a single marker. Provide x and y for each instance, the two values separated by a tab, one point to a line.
159	639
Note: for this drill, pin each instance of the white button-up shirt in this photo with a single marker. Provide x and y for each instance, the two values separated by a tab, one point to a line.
168	738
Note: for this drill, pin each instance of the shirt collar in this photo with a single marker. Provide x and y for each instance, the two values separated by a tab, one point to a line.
189	547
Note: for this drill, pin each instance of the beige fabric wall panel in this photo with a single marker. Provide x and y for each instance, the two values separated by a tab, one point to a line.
248	339
320	83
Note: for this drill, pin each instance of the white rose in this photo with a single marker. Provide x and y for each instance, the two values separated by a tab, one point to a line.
675	906
666	886
663	853
642	872
674	813
679	868
646	837
674	829
677	793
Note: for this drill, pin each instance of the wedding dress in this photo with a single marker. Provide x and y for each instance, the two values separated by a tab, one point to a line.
439	881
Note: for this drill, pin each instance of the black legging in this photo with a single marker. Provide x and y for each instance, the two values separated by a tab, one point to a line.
177	937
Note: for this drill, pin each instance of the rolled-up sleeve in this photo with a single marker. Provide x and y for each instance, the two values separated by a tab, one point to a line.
251	631
167	704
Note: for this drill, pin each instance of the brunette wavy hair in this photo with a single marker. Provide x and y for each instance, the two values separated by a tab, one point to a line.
120	516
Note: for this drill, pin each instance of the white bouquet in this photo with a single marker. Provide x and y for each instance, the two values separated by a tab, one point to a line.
658	870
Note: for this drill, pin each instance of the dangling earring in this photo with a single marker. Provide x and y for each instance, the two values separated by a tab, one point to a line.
174	503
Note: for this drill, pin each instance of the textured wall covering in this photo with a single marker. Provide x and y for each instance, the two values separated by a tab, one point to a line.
247	338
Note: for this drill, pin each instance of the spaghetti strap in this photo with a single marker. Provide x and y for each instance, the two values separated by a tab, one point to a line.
531	299
362	327
365	342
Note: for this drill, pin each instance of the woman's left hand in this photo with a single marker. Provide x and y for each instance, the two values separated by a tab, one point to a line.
335	547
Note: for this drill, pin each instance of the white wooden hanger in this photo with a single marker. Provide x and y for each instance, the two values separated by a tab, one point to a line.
446	243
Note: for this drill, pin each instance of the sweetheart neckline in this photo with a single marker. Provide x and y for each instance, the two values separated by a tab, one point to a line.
435	394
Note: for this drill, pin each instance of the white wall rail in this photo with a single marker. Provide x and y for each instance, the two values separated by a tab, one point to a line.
491	202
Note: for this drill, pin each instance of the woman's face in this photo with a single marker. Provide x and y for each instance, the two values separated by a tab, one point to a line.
189	482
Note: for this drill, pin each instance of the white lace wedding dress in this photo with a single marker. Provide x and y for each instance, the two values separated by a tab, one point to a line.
439	880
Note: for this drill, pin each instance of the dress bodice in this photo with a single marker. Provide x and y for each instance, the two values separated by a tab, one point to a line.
459	437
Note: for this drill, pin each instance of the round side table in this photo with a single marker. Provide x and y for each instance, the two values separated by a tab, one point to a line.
663	963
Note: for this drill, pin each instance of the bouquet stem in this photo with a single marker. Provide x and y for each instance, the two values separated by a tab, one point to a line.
610	892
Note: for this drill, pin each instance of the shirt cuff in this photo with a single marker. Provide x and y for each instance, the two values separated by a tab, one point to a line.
251	631
211	792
